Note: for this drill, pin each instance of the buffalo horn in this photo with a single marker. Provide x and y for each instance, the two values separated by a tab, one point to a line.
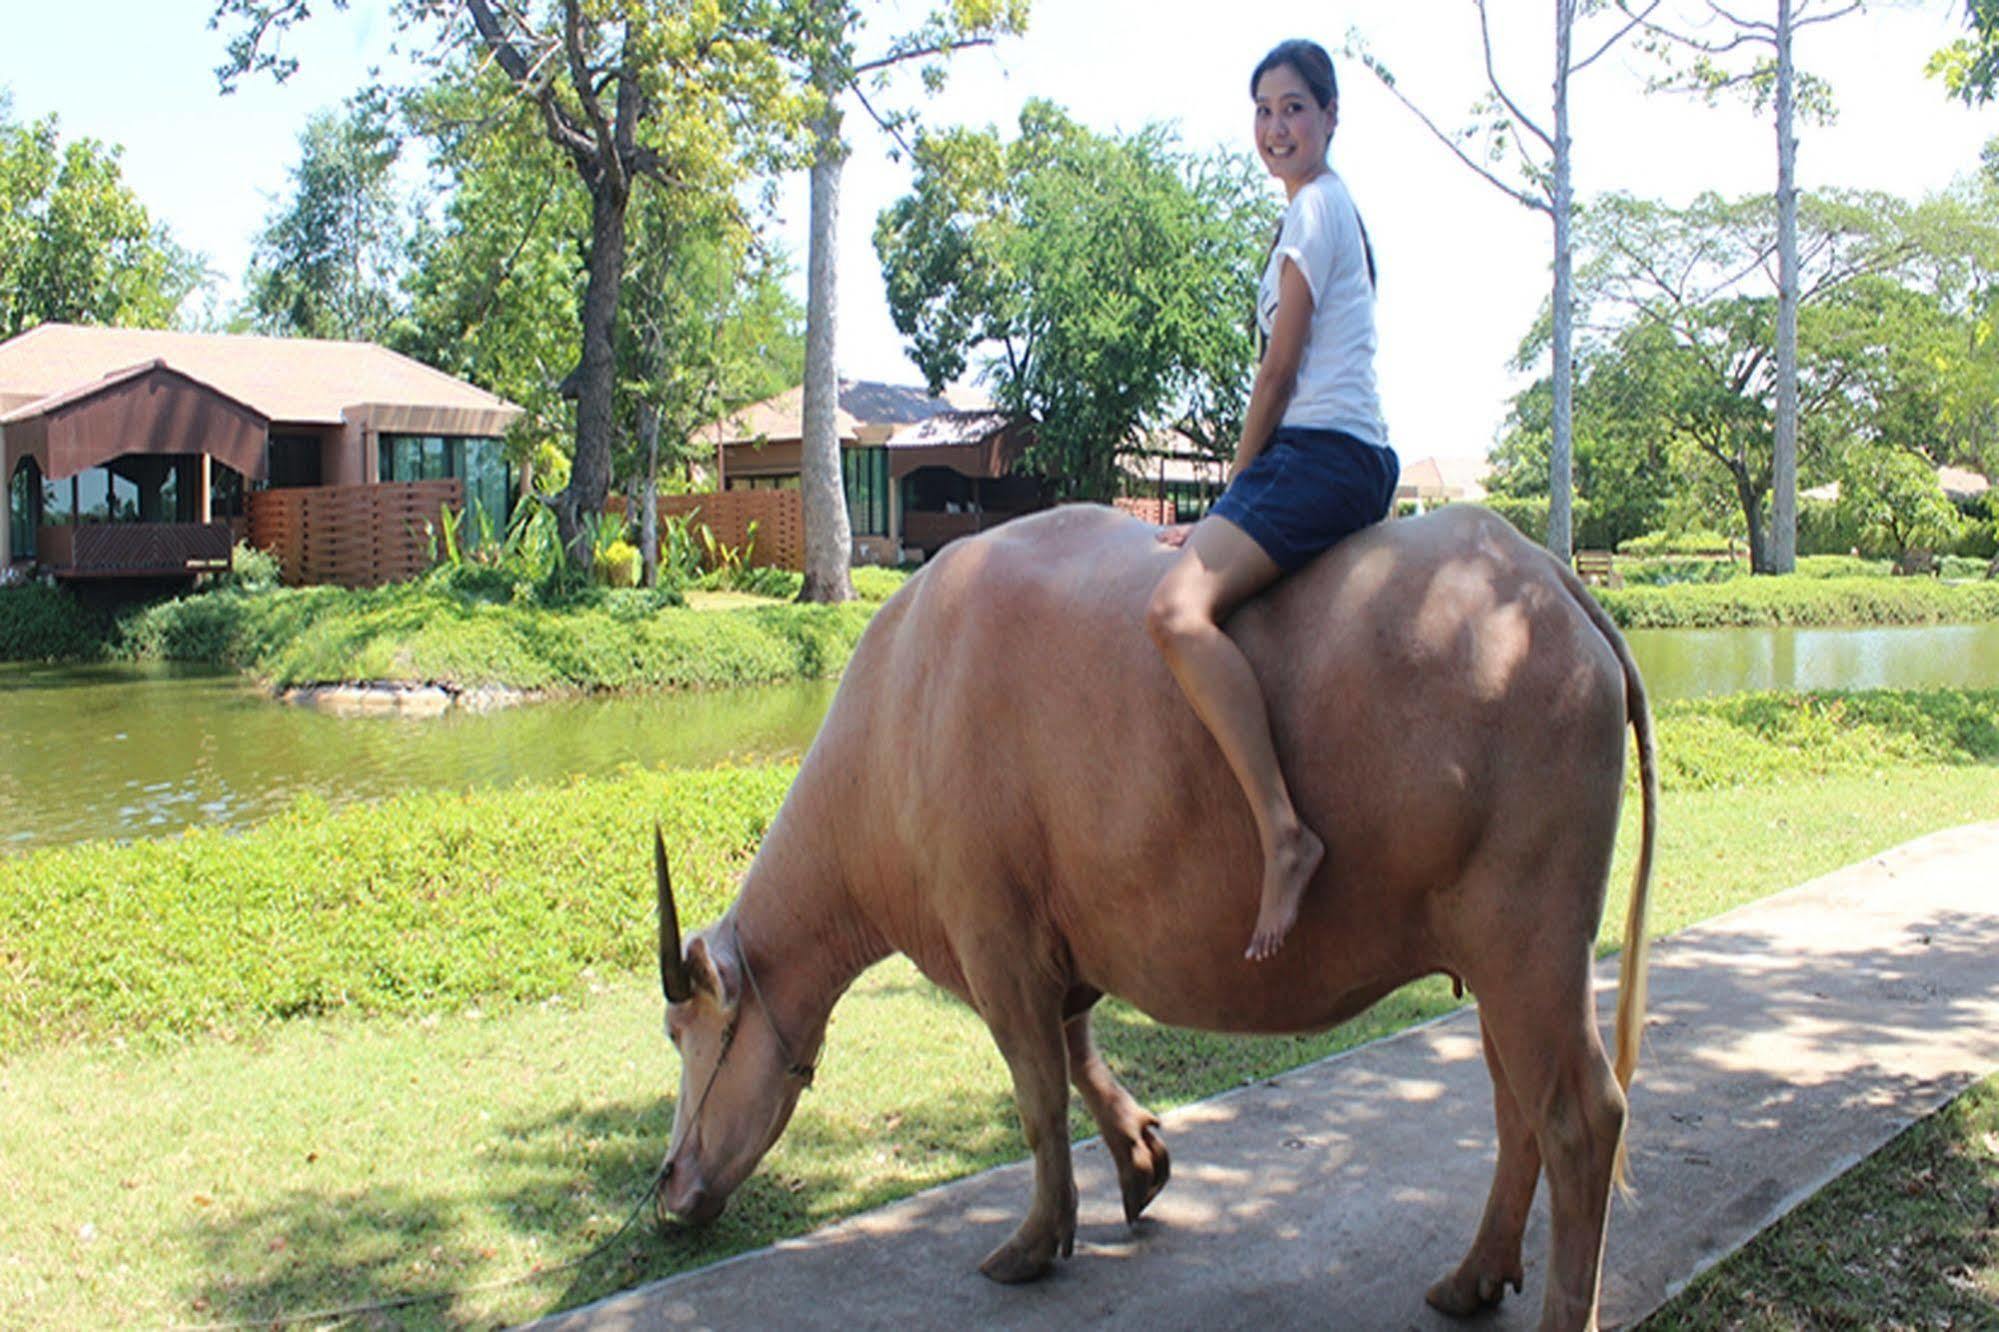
673	977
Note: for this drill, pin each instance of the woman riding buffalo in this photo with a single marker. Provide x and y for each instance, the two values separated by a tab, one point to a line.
1313	464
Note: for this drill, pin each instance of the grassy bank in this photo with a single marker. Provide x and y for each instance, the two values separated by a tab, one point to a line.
432	902
1909	1238
460	631
467	630
335	1158
1803	601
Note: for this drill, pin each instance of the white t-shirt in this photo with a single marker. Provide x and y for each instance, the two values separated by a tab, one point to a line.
1335	389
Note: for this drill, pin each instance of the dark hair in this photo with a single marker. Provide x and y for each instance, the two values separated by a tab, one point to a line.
1312	63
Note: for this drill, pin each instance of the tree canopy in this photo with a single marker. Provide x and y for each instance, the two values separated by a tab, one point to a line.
76	244
330	259
1106	281
1675	398
682	96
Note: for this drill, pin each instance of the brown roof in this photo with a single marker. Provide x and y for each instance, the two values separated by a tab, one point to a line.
292	381
868	412
147	408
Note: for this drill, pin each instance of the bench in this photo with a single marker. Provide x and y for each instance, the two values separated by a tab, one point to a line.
1598	568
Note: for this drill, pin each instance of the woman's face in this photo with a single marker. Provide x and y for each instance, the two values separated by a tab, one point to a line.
1292	130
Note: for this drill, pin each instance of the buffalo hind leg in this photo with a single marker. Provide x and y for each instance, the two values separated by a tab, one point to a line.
1493	1262
1562	1083
1130	1130
1024	1013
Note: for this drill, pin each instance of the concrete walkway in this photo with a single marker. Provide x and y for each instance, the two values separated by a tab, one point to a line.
1786	1041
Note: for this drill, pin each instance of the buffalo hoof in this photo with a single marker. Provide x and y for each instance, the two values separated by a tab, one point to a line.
1030	1254
1466	1292
1143	1172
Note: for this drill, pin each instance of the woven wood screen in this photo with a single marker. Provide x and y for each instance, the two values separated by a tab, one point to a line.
778	514
355	536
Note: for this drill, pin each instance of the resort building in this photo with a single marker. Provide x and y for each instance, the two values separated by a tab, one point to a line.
135	453
921	469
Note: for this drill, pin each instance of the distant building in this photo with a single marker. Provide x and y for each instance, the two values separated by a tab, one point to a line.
132	452
920	469
1432	481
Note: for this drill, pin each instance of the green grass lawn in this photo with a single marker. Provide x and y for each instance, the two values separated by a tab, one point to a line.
1909	1238
322	1160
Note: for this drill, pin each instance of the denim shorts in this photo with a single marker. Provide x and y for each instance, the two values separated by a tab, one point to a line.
1307	489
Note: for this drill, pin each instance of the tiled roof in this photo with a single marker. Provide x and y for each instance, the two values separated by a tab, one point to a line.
864	405
290	380
947	428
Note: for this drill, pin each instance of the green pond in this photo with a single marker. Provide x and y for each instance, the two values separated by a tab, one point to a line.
139	751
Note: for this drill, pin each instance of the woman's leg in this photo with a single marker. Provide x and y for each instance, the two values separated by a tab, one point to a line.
1220	567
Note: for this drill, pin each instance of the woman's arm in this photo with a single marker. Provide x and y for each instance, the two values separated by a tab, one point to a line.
1277	374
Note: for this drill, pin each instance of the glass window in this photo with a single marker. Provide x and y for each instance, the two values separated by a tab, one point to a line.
24	507
865	471
59	502
124	506
486	483
93	495
294	461
225	491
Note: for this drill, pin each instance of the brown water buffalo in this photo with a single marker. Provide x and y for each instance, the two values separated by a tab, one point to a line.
1011	789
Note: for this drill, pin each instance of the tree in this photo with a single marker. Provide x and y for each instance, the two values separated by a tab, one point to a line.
495	286
1771	81
76	245
1892	497
329	261
832	68
1107	278
1969	67
711	329
672	93
1542	158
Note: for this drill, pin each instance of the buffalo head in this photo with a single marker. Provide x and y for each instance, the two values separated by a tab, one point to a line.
739	1081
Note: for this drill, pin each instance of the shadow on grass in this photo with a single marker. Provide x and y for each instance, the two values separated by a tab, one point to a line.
557	1187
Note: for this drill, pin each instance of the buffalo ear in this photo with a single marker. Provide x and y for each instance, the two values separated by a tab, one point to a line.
713	973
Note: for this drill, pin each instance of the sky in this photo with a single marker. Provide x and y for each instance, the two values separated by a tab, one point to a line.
1464	268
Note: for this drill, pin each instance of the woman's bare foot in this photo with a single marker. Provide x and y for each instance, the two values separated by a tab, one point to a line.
1286	870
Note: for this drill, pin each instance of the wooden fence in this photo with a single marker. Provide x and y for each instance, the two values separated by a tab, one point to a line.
778	514
355	536
1147	508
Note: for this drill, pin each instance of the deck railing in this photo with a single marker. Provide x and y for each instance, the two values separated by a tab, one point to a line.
135	550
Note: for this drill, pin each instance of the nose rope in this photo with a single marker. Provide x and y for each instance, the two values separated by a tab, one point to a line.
794	1067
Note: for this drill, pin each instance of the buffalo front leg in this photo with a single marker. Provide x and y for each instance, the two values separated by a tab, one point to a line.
1493	1263
1025	1016
1129	1129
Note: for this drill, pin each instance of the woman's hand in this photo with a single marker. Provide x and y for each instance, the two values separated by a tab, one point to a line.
1175	536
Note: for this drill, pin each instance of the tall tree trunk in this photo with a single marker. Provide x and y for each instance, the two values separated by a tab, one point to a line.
1784	448
649	495
1750	496
590	472
828	538
1561	531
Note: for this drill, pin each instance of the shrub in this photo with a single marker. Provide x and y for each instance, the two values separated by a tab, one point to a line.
1842	566
1825	528
1667	570
39	622
619	564
251	569
1801	602
1702	542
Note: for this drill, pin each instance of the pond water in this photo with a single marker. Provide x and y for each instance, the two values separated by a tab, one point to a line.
139	751
1692	663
